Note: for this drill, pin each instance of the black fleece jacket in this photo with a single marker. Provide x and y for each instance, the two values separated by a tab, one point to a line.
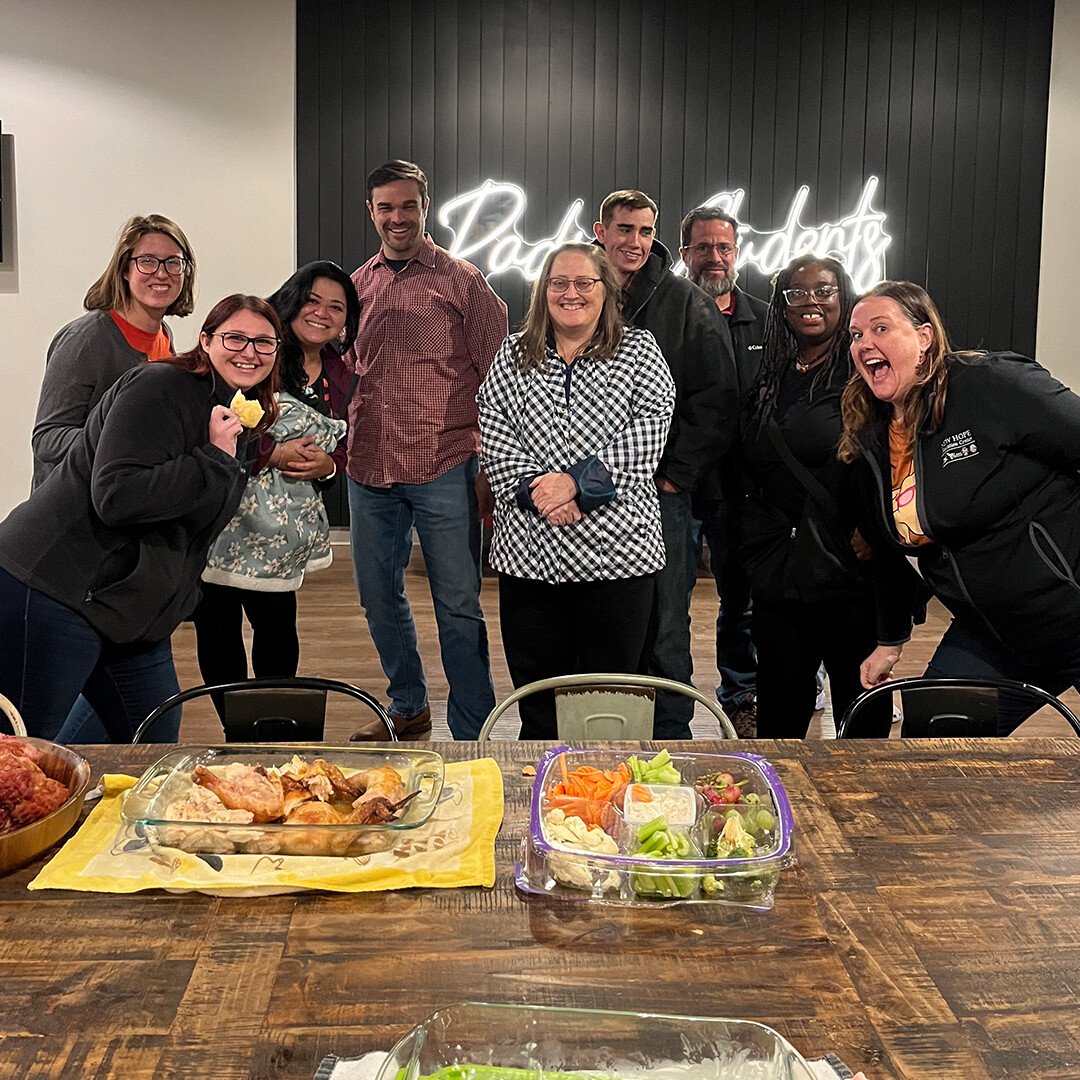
120	530
694	338
997	490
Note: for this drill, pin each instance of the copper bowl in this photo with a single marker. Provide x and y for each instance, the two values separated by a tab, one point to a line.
25	844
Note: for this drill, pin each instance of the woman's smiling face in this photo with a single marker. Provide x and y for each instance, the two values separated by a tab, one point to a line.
813	321
887	348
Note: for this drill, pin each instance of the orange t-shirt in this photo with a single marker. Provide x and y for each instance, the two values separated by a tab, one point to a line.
156	345
905	514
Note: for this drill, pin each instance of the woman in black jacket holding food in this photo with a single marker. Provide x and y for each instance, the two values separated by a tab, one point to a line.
813	600
974	460
102	562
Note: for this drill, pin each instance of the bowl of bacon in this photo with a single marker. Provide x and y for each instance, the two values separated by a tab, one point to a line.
42	788
284	800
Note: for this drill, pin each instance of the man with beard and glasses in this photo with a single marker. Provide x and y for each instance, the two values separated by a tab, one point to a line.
710	247
429	328
696	344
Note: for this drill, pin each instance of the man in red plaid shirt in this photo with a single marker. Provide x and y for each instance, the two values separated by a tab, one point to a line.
429	328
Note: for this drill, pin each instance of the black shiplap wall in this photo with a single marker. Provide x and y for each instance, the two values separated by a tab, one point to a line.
945	101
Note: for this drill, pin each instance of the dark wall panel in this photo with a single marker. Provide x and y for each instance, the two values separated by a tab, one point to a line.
945	102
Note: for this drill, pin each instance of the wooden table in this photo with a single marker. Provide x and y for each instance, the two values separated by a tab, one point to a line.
931	929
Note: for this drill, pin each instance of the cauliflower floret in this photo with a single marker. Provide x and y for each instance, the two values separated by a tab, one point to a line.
573	835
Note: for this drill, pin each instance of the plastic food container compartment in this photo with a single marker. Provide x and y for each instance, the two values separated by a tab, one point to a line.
630	859
169	780
471	1041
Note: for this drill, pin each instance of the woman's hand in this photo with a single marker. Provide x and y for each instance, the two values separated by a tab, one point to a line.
225	426
309	462
566	514
552	490
877	667
289	450
862	549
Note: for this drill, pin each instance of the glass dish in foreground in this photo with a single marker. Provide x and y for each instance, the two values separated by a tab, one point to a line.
474	1041
169	780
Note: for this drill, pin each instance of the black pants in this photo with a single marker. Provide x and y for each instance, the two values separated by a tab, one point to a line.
792	639
219	631
568	629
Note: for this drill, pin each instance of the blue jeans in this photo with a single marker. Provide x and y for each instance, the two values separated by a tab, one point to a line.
51	655
444	513
964	653
671	657
736	657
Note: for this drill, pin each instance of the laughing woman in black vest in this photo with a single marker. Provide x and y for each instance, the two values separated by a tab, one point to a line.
101	564
813	600
981	452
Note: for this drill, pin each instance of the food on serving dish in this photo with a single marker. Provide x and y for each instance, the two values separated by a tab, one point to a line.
644	802
658	771
575	835
249	413
26	793
657	840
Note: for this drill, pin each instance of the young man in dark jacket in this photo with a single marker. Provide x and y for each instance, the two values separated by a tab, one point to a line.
696	344
710	248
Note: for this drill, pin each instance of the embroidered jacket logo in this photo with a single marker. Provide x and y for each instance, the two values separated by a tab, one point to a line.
958	447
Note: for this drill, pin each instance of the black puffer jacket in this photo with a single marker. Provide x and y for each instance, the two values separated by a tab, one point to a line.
120	530
694	338
997	490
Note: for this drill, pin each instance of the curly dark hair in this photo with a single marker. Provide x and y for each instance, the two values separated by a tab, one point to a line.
287	302
780	349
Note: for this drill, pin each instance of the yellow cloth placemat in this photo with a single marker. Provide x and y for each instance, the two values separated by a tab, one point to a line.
455	848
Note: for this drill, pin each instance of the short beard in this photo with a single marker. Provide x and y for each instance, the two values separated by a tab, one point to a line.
716	286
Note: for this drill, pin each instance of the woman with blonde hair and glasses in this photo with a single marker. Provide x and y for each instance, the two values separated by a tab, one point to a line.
151	274
974	460
574	414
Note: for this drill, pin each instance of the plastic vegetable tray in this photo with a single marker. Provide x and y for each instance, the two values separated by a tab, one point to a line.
553	866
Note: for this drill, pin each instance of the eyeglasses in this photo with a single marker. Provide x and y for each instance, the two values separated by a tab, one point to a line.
235	342
148	264
581	284
701	250
822	294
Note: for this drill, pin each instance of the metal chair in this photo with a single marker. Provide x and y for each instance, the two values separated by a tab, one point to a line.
273	710
13	717
604	717
956	708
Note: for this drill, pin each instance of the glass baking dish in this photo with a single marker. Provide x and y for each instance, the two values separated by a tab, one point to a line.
607	865
169	780
474	1041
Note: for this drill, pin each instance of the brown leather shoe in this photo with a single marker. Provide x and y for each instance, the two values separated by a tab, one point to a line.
411	728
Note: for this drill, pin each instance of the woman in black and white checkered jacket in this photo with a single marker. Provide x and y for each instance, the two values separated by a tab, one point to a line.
574	414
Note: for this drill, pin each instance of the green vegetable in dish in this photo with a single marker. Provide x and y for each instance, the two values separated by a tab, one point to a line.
656	840
658	771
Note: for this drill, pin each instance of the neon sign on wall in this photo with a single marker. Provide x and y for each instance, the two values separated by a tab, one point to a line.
486	226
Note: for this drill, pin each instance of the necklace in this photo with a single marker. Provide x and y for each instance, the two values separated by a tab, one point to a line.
802	368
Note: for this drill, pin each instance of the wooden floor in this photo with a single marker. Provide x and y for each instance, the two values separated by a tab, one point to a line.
335	644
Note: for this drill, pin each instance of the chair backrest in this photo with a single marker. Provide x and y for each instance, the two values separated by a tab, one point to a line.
605	711
611	713
12	714
955	708
270	710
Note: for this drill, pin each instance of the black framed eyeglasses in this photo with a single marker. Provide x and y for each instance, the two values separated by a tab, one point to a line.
822	294
148	264
235	342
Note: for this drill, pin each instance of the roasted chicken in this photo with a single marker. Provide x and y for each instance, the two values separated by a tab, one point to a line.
246	787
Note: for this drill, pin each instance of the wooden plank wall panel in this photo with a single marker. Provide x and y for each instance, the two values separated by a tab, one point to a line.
946	103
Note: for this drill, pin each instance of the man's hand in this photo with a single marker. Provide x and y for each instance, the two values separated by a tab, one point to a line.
666	486
566	514
308	463
485	497
552	490
863	551
878	666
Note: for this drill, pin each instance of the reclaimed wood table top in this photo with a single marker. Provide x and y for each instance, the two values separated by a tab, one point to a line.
930	929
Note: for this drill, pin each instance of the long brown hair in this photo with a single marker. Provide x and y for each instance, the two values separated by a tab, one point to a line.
924	403
111	291
530	348
197	360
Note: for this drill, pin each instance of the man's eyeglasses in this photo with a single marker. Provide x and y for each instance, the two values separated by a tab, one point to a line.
148	264
704	250
822	294
581	284
235	342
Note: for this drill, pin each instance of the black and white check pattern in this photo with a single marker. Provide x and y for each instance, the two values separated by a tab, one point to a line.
620	410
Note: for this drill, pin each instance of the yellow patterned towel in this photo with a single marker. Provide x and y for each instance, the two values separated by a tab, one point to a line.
455	848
